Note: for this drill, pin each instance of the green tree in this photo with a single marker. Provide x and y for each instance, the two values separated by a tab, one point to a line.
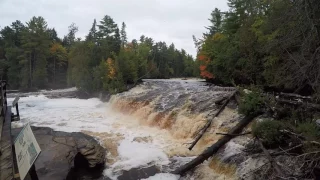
123	35
12	52
92	36
70	38
57	63
35	44
107	27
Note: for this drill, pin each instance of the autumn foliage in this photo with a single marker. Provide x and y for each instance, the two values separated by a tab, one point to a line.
111	68
204	61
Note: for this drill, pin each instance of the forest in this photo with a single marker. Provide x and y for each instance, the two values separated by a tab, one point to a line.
33	56
273	44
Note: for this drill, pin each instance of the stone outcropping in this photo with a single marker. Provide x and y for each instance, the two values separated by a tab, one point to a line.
67	155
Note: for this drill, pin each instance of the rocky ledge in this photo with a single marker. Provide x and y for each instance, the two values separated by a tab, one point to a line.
67	156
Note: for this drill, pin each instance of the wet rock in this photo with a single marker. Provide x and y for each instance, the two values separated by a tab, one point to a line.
139	173
143	139
67	155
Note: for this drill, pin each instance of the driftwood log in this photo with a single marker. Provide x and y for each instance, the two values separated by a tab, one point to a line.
215	147
204	129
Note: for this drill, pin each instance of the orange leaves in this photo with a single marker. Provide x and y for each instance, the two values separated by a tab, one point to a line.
54	48
202	57
203	67
206	52
57	48
204	73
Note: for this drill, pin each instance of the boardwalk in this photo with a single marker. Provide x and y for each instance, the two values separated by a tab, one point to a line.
6	158
6	153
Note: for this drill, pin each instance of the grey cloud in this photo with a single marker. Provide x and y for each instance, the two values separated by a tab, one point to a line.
163	20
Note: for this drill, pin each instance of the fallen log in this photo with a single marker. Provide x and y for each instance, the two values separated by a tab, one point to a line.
286	151
291	95
218	88
271	160
204	129
226	134
215	147
220	100
299	103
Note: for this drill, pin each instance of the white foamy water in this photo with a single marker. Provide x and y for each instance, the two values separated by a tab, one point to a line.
75	115
150	125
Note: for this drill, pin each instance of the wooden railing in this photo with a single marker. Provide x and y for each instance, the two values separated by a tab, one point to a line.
8	163
3	98
6	150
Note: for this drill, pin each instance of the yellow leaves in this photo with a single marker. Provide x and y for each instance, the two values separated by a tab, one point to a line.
57	48
217	36
58	54
111	68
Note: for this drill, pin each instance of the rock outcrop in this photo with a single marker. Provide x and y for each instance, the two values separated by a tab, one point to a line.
67	155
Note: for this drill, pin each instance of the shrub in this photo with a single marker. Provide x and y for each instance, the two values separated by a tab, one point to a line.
250	103
269	132
309	130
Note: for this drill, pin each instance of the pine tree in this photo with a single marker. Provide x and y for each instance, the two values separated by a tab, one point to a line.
93	32
123	35
58	63
107	27
35	44
216	22
12	47
53	35
70	39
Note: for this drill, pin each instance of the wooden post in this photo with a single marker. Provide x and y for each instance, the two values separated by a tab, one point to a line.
33	173
17	109
16	104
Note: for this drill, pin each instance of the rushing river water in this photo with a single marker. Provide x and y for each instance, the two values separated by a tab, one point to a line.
150	125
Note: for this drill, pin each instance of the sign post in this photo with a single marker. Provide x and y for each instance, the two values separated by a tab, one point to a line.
27	150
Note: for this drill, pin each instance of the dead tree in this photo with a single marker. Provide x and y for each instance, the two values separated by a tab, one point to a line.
204	129
215	147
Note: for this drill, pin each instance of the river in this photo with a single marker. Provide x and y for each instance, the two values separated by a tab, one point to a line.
150	125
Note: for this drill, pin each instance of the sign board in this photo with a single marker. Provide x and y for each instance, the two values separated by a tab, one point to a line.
27	150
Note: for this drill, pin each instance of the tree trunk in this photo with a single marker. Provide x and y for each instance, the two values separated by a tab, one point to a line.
30	70
54	70
210	121
215	147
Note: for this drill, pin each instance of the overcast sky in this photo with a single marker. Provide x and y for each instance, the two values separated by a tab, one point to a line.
163	20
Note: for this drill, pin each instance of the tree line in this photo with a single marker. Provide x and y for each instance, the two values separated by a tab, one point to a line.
273	44
32	56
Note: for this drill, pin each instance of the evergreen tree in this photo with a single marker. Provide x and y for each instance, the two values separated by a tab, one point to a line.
33	56
123	35
70	39
35	44
57	64
107	27
93	32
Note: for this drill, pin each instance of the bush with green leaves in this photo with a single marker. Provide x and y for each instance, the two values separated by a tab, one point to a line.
269	131
250	103
309	130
